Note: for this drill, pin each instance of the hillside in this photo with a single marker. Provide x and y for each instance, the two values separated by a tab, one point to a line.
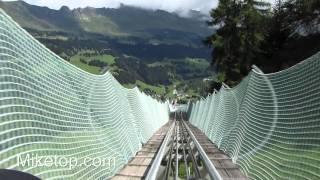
124	21
140	47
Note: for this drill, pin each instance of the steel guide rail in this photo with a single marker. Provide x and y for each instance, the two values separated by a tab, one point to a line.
152	173
191	153
181	145
214	174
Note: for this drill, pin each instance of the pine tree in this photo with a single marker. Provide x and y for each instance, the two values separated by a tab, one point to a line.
226	40
240	32
253	19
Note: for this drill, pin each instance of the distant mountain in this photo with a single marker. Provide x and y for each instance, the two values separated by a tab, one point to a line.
123	21
40	18
146	34
151	47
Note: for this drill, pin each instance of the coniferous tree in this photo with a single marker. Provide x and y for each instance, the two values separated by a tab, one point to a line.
254	16
238	37
226	40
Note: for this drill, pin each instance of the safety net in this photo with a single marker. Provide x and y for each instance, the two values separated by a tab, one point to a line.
269	124
51	109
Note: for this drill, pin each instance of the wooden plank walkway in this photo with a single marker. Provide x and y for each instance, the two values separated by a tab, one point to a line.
138	167
222	162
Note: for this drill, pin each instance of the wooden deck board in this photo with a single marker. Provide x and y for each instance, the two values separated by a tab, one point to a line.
223	163
140	164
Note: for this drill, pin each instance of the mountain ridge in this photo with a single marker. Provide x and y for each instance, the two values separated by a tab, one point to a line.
102	20
156	50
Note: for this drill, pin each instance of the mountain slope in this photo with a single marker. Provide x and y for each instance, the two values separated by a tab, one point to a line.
151	49
107	21
40	18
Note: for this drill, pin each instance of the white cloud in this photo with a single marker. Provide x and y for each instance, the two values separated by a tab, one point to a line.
181	6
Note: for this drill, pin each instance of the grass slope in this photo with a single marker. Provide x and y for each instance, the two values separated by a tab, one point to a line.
76	60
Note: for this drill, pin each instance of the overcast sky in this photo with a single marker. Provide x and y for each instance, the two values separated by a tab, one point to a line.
169	5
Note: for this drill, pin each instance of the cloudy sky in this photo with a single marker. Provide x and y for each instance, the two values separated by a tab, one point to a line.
181	6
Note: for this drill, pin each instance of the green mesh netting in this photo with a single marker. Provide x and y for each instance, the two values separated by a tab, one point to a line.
49	107
269	124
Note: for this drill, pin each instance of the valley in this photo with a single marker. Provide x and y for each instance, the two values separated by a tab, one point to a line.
156	50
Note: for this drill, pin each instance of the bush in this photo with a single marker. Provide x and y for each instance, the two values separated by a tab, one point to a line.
83	61
97	63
